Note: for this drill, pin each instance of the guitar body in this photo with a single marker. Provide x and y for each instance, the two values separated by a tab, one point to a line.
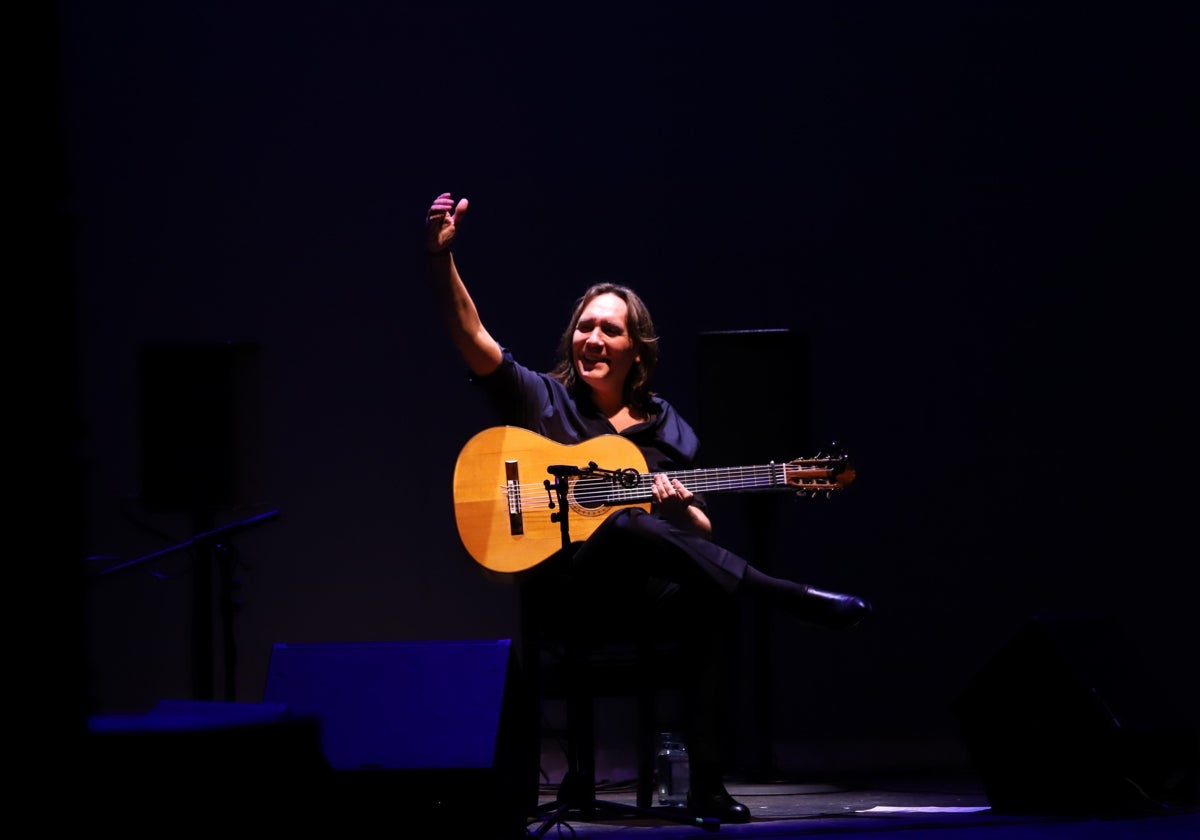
502	511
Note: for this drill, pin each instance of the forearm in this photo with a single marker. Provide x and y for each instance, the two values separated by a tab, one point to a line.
480	351
698	520
688	516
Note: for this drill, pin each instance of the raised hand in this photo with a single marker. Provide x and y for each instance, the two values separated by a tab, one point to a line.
441	222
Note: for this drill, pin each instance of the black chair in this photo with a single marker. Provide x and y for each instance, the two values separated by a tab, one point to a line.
579	657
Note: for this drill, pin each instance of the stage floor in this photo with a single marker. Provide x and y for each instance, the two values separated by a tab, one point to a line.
946	808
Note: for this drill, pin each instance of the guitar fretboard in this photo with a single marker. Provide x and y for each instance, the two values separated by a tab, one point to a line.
706	481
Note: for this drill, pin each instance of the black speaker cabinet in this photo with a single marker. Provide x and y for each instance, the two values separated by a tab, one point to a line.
761	372
1066	719
440	732
195	763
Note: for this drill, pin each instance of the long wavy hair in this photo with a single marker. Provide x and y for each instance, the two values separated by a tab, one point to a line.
640	327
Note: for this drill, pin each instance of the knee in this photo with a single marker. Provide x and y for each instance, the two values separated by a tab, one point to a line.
625	519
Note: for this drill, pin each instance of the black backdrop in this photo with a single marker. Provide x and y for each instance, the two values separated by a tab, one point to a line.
974	216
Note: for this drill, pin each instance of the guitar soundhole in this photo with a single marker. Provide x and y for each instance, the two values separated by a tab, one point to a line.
591	493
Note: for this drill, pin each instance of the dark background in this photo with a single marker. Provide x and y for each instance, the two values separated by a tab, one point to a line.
977	219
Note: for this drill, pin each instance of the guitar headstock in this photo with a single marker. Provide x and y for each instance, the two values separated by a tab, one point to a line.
823	473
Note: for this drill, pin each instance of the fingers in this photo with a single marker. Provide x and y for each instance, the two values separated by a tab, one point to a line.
439	215
444	202
441	205
670	489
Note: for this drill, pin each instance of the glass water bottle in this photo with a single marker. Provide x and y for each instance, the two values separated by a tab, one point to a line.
671	770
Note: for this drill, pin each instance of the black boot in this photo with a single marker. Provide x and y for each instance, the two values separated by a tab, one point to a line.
831	609
710	799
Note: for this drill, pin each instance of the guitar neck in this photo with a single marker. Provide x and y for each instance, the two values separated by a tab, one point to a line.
722	479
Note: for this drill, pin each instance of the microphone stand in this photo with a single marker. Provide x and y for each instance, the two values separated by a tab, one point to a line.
206	543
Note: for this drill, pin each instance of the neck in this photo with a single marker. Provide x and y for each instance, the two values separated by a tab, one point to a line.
608	406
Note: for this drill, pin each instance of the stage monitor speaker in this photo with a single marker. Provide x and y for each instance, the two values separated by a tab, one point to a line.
194	759
1065	719
440	731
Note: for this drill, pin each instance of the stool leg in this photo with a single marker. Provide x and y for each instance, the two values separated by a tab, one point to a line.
645	728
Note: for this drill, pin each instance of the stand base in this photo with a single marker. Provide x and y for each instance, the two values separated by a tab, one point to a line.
577	798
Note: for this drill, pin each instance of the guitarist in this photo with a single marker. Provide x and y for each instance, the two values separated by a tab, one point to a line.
602	385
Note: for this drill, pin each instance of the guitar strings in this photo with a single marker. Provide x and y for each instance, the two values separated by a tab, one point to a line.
604	489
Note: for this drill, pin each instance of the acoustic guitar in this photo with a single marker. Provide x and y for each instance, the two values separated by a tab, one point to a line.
509	484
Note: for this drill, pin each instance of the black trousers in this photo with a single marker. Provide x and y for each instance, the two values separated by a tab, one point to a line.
640	570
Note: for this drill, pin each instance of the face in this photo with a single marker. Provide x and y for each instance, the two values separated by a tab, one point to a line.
603	349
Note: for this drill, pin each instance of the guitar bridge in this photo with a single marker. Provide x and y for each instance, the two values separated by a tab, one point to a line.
512	493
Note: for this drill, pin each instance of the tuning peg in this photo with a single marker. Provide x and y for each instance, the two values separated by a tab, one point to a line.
834	450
